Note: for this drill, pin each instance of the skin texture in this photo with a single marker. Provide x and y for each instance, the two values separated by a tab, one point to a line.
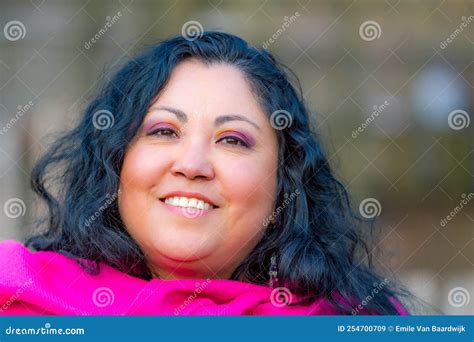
197	156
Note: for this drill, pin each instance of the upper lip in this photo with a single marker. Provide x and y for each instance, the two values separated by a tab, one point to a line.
196	195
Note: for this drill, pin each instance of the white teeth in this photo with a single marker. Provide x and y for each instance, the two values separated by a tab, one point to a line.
183	202
200	205
188	202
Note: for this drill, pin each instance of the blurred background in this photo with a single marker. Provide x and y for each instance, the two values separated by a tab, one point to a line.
390	85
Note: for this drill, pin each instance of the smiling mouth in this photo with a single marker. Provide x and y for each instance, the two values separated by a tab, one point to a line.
189	212
187	203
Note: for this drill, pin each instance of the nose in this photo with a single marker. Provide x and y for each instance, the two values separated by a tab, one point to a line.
192	161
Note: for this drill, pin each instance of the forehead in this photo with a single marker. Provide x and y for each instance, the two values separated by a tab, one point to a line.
211	89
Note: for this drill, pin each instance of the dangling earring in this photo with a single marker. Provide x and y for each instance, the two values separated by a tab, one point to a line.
272	222
273	271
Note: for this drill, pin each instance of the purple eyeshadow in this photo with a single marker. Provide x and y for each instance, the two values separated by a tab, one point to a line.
149	127
245	137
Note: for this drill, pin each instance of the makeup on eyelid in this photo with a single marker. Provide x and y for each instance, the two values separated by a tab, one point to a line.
150	127
250	141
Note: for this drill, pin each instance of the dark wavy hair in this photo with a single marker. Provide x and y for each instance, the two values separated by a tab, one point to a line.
319	242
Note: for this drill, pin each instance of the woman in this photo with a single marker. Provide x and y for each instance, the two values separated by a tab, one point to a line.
194	185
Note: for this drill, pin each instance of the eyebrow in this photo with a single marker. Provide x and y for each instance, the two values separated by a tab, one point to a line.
217	122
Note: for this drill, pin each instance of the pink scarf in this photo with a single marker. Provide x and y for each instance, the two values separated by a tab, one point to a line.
48	283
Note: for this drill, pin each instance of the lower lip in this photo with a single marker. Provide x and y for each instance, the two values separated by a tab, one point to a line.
191	213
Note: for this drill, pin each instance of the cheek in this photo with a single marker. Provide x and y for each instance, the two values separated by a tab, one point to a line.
142	167
250	185
141	170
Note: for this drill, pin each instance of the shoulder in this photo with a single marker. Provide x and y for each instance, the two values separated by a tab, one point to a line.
10	246
52	283
14	256
20	265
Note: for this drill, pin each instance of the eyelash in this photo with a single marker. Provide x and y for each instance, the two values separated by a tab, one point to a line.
156	131
240	142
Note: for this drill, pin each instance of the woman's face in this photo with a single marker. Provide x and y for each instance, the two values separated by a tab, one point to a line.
200	177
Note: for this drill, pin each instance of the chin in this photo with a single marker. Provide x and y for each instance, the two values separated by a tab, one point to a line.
177	263
174	246
184	247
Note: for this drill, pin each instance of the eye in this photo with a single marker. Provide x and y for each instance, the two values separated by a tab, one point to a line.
166	132
231	140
